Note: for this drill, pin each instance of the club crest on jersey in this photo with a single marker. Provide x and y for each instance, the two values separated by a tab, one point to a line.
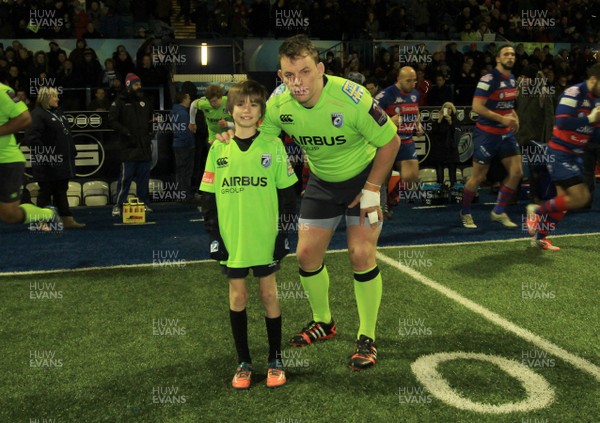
265	160
143	104
413	98
337	119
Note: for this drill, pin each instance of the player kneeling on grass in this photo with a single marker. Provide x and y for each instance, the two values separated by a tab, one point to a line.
249	186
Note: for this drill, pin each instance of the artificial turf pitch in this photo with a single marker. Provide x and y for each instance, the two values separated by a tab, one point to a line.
153	343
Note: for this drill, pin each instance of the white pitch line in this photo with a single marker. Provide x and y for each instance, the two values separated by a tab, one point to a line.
495	318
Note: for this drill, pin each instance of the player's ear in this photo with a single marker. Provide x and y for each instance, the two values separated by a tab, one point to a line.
280	74
321	68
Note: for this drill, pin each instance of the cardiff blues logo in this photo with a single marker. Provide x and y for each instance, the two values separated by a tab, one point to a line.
337	119
265	160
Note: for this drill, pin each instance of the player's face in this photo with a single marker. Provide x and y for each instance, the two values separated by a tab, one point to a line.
246	112
303	77
506	58
407	81
216	102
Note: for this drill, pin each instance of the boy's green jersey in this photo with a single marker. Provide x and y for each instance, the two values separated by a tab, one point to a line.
339	135
212	116
245	185
10	108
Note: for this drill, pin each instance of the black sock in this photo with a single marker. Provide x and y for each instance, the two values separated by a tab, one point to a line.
239	328
274	336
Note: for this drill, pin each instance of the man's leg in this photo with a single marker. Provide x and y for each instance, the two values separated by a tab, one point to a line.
514	168
124	182
142	176
478	176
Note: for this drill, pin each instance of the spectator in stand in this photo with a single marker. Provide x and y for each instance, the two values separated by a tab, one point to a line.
148	73
372	85
53	63
80	21
454	58
116	88
440	93
100	103
123	62
384	64
239	21
109	24
90	32
76	56
40	64
25	62
469	33
22	96
222	16
465	84
109	73
95	14
423	87
90	70
66	79
333	66
163	10
15	80
258	18
371	25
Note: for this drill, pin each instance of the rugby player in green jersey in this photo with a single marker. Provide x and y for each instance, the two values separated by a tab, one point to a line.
213	106
14	117
351	145
248	190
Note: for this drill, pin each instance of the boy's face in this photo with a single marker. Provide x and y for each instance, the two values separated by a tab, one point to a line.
215	102
246	112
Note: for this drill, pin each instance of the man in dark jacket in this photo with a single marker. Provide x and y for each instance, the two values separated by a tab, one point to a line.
131	116
184	146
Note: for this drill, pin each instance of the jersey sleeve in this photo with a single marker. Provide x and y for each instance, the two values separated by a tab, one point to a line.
269	125
484	86
208	178
566	110
11	105
284	172
383	99
373	122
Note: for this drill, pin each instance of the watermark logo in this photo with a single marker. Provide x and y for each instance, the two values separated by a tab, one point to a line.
537	291
288	420
167	327
534	420
167	258
42	420
414	259
536	154
540	223
168	123
44	291
536	87
413	395
291	19
293	359
415	191
414	54
35	84
45	155
168	55
170	192
291	291
167	395
44	19
537	358
289	222
413	327
536	19
45	359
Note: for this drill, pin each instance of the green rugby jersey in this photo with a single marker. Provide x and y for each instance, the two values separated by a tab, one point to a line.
212	116
339	135
245	185
10	108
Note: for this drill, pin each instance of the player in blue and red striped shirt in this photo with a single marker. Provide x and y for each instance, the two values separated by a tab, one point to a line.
401	103
494	136
577	121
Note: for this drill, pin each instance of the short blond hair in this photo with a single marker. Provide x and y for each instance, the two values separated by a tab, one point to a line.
44	96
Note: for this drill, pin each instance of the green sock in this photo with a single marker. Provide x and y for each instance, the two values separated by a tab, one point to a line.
367	289
316	285
36	214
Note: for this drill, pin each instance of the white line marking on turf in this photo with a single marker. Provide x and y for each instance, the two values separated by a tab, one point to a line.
495	318
429	207
197	220
447	244
539	393
134	224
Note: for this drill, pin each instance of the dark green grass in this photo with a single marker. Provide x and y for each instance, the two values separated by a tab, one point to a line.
102	329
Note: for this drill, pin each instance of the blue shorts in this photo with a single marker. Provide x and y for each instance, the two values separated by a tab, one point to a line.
566	169
407	152
489	146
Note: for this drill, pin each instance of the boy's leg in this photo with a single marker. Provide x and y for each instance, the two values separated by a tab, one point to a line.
238	299
268	295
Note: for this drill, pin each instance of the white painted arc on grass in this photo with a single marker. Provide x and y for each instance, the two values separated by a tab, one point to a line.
495	318
538	391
